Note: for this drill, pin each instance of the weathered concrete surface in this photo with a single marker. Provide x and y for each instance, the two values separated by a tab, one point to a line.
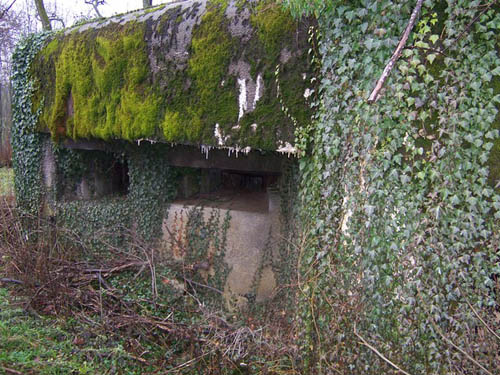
251	234
5	114
49	167
197	72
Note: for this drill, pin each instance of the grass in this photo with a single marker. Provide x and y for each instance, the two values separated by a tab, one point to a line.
6	181
33	344
75	311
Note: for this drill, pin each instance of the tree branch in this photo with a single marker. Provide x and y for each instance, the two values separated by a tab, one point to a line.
13	281
364	342
481	320
7	9
397	53
447	340
95	4
468	27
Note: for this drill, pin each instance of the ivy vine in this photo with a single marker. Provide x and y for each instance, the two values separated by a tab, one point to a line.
402	224
26	141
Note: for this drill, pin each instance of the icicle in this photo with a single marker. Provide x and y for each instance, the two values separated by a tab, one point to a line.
205	150
287	148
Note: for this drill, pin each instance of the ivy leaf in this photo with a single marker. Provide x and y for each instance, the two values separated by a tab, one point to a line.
496	71
455	200
369	43
431	57
433	38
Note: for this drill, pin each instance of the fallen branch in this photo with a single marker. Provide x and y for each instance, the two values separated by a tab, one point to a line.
397	53
364	342
12	281
11	371
481	320
108	271
467	355
203	286
438	330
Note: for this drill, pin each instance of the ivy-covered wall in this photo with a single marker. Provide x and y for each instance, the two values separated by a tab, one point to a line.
116	217
203	72
26	140
400	264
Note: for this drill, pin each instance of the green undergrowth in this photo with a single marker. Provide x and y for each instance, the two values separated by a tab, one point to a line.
6	181
135	331
34	344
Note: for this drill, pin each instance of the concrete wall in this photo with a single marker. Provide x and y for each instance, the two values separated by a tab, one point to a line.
250	235
5	114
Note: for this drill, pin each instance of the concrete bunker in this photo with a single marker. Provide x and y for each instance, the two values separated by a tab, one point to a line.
243	189
196	128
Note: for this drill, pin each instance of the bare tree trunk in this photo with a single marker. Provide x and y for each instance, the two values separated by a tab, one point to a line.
97	10
43	15
147	3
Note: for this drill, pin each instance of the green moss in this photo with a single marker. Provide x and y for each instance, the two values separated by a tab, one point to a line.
191	114
275	27
275	30
172	126
51	48
100	91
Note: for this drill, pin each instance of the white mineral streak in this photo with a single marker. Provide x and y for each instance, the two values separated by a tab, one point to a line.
253	127
286	148
233	150
308	93
221	140
304	76
243	97
258	90
140	140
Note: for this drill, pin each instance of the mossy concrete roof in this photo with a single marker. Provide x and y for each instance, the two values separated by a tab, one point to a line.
216	73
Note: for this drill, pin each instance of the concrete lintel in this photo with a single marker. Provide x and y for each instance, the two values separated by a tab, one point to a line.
91	145
254	161
192	156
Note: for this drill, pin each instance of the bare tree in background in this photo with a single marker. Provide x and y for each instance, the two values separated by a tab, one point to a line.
5	9
10	24
95	4
147	3
40	7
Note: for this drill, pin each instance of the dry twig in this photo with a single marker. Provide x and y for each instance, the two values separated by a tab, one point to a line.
397	53
364	342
